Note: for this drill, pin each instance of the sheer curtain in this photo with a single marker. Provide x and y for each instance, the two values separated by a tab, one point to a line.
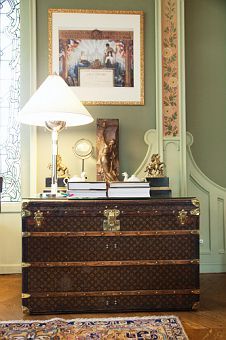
10	99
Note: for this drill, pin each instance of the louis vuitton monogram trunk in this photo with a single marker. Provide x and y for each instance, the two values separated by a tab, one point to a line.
110	255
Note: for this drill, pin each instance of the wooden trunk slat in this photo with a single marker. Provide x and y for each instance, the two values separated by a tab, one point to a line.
113	263
109	233
116	293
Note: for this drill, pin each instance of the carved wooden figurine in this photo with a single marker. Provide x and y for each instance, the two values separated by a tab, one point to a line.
107	150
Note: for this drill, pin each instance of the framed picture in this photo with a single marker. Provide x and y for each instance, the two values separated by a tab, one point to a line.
100	54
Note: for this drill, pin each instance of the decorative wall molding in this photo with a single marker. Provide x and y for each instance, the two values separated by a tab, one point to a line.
170	140
158	67
170	91
213	214
151	139
170	55
212	199
171	151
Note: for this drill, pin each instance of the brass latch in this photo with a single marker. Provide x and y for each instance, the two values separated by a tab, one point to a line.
182	216
111	224
38	218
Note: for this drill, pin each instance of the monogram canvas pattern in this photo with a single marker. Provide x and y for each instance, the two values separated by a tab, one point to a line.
118	303
55	266
95	223
117	278
136	215
58	249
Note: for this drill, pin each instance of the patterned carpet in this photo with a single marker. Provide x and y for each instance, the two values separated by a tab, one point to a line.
155	328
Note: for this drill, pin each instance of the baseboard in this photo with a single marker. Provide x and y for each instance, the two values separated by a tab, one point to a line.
213	268
10	269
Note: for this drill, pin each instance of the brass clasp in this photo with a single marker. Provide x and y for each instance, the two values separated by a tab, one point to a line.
182	216
111	223
38	218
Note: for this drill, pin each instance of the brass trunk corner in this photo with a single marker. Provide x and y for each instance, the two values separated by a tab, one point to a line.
195	202
26	234
195	212
25	264
25	310
26	296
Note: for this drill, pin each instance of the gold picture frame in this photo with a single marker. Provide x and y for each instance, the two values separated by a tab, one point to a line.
99	53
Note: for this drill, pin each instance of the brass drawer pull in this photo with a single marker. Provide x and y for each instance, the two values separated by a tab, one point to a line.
111	224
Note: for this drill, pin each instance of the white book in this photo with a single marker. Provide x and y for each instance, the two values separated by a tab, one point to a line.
129	192
86	193
86	185
129	184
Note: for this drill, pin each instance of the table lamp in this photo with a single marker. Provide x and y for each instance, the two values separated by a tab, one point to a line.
55	106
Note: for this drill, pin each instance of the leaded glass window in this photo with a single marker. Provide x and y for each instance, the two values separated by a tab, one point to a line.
10	99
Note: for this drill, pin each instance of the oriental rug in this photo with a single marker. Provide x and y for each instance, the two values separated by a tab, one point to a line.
139	328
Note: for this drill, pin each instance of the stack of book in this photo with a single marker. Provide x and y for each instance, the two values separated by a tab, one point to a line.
86	189
61	186
128	189
159	187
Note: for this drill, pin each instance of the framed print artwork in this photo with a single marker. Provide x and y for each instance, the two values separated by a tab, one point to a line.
100	54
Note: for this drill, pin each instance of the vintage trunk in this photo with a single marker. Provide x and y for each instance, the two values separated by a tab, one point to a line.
110	255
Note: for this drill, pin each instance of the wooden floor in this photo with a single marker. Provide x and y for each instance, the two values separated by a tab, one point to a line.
207	323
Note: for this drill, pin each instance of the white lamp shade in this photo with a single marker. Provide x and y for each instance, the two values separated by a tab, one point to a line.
54	101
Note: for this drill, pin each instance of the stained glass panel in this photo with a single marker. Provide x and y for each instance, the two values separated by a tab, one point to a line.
10	99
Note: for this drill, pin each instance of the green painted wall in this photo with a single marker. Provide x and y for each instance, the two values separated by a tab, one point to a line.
133	120
205	33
